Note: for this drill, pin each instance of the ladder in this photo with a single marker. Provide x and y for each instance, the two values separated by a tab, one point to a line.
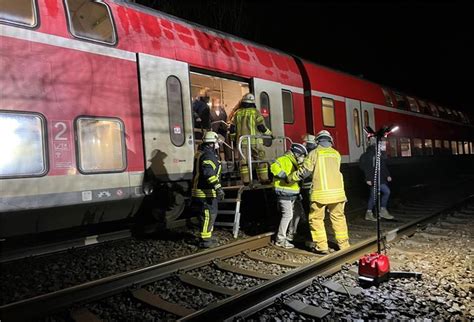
230	206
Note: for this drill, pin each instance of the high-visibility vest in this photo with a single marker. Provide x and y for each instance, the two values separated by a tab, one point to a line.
328	183
287	164
247	121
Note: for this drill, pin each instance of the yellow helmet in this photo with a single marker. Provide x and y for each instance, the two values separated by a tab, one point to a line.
210	137
248	98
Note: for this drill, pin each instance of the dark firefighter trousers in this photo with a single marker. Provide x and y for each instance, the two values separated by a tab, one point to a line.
206	208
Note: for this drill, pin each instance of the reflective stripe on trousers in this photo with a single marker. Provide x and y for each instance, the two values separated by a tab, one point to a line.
207	213
338	222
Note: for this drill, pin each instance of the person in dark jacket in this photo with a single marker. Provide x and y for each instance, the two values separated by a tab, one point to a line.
207	189
218	118
367	164
201	112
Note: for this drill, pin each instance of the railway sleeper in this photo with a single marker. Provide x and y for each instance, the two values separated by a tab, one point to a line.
237	270
193	281
157	301
307	309
258	257
84	315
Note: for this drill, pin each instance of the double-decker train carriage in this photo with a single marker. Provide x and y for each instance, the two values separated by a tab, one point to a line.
96	96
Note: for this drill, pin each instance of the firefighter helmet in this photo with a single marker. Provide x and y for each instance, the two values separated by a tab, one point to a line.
298	149
323	135
309	138
210	137
248	98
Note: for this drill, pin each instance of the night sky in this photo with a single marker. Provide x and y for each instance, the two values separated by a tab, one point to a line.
423	48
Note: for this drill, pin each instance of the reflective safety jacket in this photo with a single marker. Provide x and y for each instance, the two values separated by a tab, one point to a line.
247	121
206	173
324	165
281	169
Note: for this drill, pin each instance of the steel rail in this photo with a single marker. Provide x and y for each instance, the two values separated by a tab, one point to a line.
47	303
250	301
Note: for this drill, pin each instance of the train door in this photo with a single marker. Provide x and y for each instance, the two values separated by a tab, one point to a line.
268	97
167	118
354	129
367	119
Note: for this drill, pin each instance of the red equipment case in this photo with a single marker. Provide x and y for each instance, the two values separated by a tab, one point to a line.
374	268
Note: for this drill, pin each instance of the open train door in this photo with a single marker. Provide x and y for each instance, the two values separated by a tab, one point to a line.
167	126
268	98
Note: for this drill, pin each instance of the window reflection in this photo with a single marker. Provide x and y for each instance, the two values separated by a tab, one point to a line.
21	145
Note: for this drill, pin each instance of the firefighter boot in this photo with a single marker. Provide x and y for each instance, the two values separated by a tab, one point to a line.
244	174
262	173
343	244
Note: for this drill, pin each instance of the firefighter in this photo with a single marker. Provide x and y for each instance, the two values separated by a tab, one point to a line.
247	120
323	163
288	193
309	142
207	189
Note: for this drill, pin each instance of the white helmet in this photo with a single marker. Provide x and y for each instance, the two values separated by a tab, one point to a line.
323	134
248	98
309	138
210	137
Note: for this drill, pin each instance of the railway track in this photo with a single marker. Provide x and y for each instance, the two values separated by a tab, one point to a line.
231	280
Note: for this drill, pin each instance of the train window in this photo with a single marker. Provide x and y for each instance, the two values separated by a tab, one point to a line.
466	147
175	110
423	106
413	104
405	147
91	20
265	109
434	110
401	102
446	147
454	147
288	115
428	147
356	126
392	147
438	147
366	119
23	147
460	148
471	147
19	12
328	112
388	97
463	117
417	147
441	109
100	145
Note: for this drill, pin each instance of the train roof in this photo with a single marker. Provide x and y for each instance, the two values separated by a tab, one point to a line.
215	32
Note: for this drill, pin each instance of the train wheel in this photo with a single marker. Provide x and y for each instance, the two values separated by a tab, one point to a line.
170	202
175	207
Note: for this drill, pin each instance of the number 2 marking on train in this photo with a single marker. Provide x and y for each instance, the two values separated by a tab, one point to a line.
59	136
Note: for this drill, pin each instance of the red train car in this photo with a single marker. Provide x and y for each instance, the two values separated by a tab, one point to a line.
95	97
